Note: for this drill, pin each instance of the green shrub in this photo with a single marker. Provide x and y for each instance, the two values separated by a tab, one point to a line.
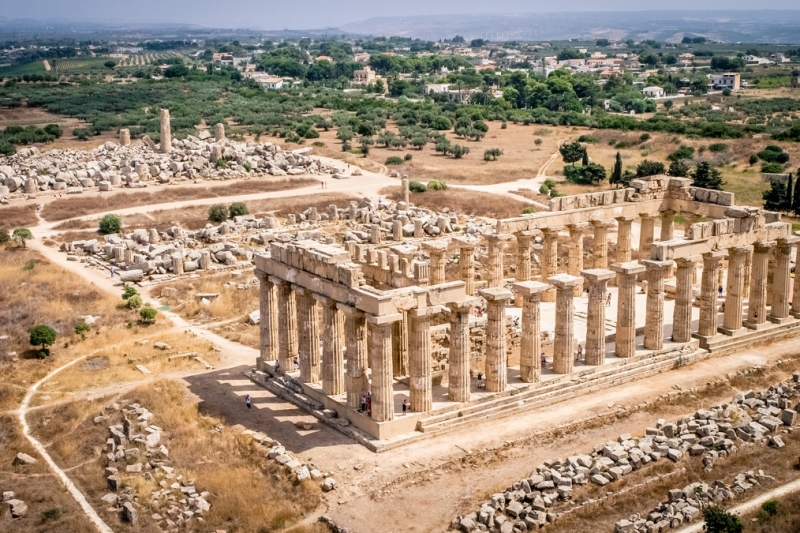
770	507
148	315
718	520
407	157
544	189
492	154
528	210
416	186
753	160
43	336
718	147
238	209
51	514
221	163
437	185
622	145
247	167
394	160
129	291
110	224
134	302
773	154
4	236
217	213
772	168
684	152
588	139
82	328
550	182
29	265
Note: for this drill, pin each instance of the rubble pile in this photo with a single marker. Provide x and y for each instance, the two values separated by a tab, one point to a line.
751	418
138	165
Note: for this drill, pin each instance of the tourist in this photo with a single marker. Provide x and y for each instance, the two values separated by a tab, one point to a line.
248	401
277	367
112	272
405	406
296	365
480	377
363	403
544	360
369	404
719	290
608	300
580	353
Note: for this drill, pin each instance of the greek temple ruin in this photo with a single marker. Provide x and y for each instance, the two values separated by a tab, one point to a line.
359	318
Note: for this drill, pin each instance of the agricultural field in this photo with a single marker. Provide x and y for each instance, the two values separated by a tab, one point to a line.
35	67
135	60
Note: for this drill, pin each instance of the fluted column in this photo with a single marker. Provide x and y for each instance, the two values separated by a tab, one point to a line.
682	314
466	260
654	316
400	346
287	324
268	318
779	311
734	298
576	255
646	231
565	329
458	357
757	308
436	250
420	364
748	268
355	329
708	294
624	239
550	259
496	357
382	382
625	337
530	365
597	279
523	270
332	346
796	289
497	244
667	225
600	251
308	346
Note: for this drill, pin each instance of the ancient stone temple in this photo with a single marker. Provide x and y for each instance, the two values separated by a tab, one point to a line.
388	320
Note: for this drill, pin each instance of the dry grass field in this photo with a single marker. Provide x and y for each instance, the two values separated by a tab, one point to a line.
231	303
786	519
464	202
17	216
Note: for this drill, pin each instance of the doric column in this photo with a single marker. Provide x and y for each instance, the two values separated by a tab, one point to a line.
597	278
563	343
268	321
550	259
496	358
646	230
624	239
382	382
708	295
682	315
600	252
757	308
166	132
667	225
287	324
734	297
332	346
796	289
783	279
530	365
523	271
654	316
404	188
355	332
436	250
458	357
625	337
466	260
400	346
497	244
748	268
420	364
308	346
576	255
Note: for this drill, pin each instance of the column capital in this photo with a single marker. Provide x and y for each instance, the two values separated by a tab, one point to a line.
324	300
553	230
464	306
465	244
738	250
579	227
528	289
626	218
714	256
495	294
628	269
278	281
421	312
667	213
600	223
349	310
384	320
524	238
564	281
763	246
596	275
261	275
645	216
652	265
789	241
688	261
437	247
302	291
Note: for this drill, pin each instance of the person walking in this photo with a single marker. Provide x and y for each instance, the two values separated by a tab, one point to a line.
249	402
364	403
405	406
580	353
544	360
112	272
608	300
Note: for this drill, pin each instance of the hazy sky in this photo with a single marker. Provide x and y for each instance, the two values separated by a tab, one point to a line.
306	14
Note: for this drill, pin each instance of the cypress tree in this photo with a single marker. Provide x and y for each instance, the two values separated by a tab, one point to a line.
796	200
585	160
616	174
787	206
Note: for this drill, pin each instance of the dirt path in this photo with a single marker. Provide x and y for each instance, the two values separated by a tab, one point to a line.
88	510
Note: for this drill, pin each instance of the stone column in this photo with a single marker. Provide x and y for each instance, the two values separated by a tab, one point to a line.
530	365
748	267
682	314
400	346
268	321
382	383
496	357
565	336
732	318
600	252
308	346
667	225
404	189
708	295
497	244
124	137
625	337
624	239
166	132
654	318
287	324
355	331
597	278
466	260
436	250
576	255
219	131
550	259
420	364
646	230
332	346
458	356
796	289
779	311
523	270
397	230
757	308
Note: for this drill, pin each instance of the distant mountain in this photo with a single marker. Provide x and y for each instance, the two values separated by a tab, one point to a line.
731	26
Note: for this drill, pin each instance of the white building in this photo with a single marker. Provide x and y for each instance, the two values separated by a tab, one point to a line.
653	92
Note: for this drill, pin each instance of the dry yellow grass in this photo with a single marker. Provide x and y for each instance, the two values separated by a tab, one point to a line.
17	216
231	303
464	202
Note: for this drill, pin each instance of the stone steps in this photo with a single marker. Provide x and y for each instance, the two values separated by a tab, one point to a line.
722	344
552	393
